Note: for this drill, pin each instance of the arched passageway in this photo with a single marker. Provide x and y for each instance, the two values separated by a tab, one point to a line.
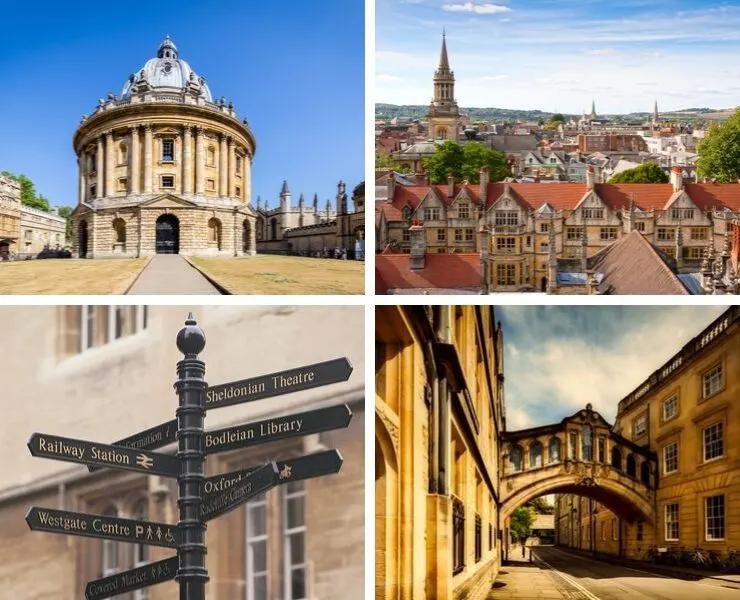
167	231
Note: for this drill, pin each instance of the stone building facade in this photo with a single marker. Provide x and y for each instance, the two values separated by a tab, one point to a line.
101	373
306	231
438	418
685	413
444	114
10	215
163	168
41	231
682	220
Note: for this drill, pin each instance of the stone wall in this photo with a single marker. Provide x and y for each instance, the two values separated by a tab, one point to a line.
40	231
10	207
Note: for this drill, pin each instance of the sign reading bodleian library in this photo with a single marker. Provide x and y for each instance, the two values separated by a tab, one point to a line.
197	503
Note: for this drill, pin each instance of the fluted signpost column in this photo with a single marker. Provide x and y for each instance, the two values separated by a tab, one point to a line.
191	390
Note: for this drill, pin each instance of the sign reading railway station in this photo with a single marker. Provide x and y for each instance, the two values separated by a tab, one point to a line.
199	499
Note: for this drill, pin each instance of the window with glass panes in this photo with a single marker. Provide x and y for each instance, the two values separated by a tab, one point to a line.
670	458
505	244
609	233
110	558
468	235
700	233
670	408
640	425
573	233
463	211
714	517
168	150
640	226
294	521
458	235
593	213
441	235
682	213
666	234
86	327
507	217
671	522
544	227
256	542
506	274
712	380
431	214
713	442
693	253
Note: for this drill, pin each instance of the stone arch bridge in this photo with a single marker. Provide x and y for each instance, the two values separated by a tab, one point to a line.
580	455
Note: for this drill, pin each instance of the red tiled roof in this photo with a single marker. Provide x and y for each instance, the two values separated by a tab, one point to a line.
715	195
441	271
391	212
632	265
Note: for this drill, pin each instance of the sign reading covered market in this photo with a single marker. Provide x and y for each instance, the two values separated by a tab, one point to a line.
200	499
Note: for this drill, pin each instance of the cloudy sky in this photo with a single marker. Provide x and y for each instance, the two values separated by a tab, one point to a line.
559	358
556	55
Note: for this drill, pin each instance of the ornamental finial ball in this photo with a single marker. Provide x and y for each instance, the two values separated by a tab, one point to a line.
190	339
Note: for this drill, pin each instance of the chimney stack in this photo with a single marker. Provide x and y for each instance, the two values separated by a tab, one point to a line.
484	241
484	179
418	246
450	185
590	178
677	179
391	185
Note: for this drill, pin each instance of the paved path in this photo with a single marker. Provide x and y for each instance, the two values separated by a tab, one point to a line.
559	574
171	274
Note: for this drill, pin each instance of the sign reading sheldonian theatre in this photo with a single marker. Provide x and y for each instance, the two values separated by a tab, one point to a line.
199	499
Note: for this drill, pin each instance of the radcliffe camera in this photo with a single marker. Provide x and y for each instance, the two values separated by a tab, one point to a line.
122	481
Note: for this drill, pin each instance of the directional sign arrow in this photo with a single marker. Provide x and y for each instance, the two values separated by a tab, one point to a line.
278	428
134	579
103	455
150	439
278	384
258	481
292	469
102	527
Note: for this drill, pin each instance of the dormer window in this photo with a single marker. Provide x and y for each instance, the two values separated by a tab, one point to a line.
168	150
406	213
463	211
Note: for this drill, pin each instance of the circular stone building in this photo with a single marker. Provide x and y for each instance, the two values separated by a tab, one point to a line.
164	169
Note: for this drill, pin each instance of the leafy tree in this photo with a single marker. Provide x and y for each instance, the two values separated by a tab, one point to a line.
719	151
557	117
384	161
521	524
465	162
541	507
28	192
66	213
644	173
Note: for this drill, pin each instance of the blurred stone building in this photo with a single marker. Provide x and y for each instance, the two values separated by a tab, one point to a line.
101	373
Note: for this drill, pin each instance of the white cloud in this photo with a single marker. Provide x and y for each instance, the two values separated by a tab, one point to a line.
385	78
601	52
492	78
481	9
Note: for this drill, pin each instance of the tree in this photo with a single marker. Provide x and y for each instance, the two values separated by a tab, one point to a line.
521	524
66	213
719	151
557	117
541	507
644	173
465	162
28	192
385	161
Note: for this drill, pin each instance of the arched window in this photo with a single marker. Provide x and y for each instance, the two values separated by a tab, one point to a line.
631	466
123	153
617	458
515	458
214	233
535	455
554	450
645	473
119	228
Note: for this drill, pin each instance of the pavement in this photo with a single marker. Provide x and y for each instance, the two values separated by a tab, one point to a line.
171	274
559	574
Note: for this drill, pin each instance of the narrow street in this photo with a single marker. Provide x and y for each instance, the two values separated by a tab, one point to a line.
559	574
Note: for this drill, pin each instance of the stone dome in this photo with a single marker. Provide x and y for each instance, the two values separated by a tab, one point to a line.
166	72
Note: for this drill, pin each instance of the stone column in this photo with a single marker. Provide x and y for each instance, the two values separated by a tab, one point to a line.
82	166
99	181
134	169
247	177
110	159
200	161
147	159
187	167
232	168
223	166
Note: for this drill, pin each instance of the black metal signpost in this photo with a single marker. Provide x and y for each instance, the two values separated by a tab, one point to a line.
200	499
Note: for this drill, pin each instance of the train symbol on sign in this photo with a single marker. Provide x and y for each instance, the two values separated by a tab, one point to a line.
144	461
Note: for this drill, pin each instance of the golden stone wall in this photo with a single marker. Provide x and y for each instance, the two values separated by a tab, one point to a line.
10	215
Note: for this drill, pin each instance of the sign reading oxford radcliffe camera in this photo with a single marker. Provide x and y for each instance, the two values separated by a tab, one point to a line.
103	455
278	428
258	481
277	384
319	464
99	526
134	579
149	439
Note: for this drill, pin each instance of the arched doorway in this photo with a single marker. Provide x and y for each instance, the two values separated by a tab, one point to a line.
82	233
543	284
119	230
214	233
4	249
246	237
168	234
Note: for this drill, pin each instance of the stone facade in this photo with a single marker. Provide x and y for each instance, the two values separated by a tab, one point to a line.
438	420
10	215
444	115
164	168
686	414
41	231
102	373
306	231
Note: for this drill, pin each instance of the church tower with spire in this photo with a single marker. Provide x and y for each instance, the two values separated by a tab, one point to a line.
656	115
444	115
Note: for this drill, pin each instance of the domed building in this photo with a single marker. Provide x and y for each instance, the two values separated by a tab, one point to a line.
164	169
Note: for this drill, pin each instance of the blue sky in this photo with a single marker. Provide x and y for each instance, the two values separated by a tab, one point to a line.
559	358
556	55
295	70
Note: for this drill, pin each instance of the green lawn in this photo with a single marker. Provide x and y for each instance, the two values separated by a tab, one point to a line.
267	274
